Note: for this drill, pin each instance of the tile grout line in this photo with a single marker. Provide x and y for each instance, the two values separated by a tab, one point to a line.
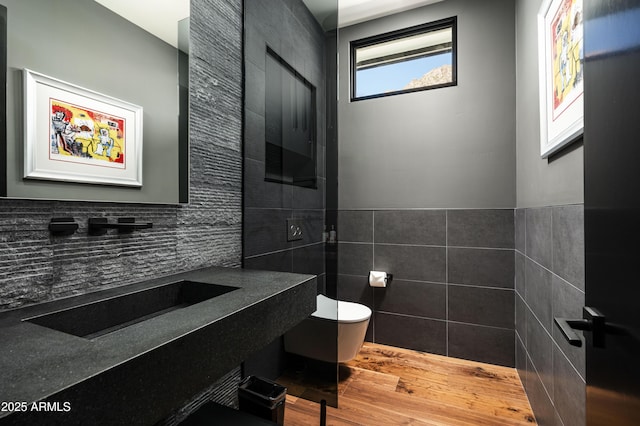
373	265
550	335
553	273
413	281
446	277
254	256
431	245
552	303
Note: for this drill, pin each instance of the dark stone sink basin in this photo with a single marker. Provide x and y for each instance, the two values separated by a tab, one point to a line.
137	363
105	316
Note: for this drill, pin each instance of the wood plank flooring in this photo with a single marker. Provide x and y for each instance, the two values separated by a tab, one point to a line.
391	386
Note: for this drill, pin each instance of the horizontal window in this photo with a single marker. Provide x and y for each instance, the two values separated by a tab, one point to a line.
408	60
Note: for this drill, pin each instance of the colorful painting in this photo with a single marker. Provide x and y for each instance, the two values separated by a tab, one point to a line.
83	135
560	68
568	54
77	135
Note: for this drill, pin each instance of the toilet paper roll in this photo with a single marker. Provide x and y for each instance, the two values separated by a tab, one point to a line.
377	279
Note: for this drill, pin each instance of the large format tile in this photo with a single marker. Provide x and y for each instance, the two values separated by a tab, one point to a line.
480	228
308	259
520	227
261	194
521	318
355	259
567	303
425	227
411	262
415	333
265	230
352	288
569	391
255	88
538	292
568	243
280	261
485	306
519	273
254	46
413	298
254	139
521	361
481	267
268	20
539	242
308	198
540	348
484	344
539	399
355	225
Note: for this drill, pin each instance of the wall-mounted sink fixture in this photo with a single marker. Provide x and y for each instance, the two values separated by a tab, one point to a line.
131	355
105	316
99	225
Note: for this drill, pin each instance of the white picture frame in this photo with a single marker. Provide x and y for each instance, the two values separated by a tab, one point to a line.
561	82
73	134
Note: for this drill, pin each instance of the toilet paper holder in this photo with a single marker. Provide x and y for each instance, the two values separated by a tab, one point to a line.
387	279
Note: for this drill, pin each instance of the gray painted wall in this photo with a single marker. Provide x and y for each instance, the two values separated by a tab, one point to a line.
539	182
445	148
35	266
86	44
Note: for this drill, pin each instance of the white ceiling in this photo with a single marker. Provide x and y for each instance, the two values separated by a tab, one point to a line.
355	11
159	17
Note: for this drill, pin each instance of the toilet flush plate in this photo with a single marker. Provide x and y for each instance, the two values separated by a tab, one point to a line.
294	229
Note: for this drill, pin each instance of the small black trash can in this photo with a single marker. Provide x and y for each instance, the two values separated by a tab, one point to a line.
263	398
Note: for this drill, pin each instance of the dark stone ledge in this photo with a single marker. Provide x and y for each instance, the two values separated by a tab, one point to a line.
139	374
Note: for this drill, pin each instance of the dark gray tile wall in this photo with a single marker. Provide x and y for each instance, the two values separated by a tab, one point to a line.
550	283
290	30
453	278
35	266
287	27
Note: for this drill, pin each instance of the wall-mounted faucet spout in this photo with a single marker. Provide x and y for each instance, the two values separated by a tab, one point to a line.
99	225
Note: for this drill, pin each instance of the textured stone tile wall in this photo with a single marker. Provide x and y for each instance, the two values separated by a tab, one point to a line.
35	266
550	283
224	391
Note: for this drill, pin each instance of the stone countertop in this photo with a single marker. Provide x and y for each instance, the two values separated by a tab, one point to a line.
140	373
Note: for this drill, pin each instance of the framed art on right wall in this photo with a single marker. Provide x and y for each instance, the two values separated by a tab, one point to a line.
560	62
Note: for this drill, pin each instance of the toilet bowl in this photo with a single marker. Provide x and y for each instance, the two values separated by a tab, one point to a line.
315	337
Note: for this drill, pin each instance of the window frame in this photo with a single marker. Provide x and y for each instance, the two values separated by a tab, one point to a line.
402	33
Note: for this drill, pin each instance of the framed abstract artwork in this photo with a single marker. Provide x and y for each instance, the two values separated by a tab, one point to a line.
561	60
74	134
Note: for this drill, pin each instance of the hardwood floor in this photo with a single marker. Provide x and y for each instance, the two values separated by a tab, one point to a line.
391	386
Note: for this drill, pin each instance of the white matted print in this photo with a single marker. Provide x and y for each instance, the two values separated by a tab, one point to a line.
561	60
77	135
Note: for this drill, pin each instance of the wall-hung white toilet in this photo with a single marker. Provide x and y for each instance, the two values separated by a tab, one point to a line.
315	337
